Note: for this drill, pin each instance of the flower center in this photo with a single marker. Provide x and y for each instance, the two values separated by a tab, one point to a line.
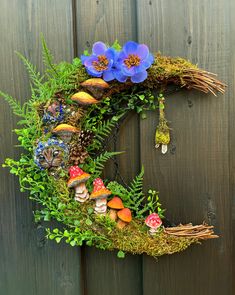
132	60
101	64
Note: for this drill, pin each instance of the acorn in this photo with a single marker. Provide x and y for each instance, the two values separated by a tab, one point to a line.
96	86
84	98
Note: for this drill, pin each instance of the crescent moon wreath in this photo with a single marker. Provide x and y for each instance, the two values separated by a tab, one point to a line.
65	126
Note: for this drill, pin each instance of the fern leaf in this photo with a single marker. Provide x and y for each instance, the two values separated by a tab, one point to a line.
47	57
103	130
137	183
100	161
17	109
34	76
119	190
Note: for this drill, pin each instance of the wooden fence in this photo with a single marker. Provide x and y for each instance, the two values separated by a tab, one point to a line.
196	178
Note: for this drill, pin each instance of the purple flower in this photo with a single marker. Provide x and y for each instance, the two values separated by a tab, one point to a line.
133	61
100	62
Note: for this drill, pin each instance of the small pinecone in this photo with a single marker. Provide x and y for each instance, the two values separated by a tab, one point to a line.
76	117
85	138
77	154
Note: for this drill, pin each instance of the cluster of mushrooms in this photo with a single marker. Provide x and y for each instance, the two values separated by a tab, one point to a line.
117	211
100	193
97	87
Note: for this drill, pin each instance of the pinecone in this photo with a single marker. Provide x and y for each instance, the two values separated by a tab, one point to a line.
77	154
85	138
78	145
75	117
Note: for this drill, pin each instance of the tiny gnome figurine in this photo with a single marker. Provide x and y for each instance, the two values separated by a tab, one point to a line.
100	194
77	180
162	136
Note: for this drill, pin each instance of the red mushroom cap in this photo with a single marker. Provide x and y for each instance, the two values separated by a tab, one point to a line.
77	176
153	221
115	203
99	190
125	215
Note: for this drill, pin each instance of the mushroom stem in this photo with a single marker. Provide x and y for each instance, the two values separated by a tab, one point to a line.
152	231
101	206
121	224
113	214
81	193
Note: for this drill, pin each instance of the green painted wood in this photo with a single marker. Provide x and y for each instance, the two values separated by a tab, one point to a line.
29	263
193	177
102	20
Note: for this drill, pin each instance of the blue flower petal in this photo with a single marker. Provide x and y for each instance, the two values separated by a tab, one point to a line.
148	61
110	54
91	71
140	68
130	47
89	61
99	48
142	51
139	77
119	76
128	71
108	76
83	58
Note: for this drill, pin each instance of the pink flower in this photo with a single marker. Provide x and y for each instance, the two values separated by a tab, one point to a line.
153	221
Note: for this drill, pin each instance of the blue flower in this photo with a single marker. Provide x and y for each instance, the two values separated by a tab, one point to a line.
133	61
100	62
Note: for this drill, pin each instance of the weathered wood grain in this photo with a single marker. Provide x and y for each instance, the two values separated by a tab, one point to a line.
196	178
193	176
106	21
29	263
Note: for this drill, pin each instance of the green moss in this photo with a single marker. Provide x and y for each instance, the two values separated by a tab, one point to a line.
166	70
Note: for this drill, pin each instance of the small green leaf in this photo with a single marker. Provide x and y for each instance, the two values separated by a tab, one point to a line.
66	233
89	243
88	222
58	239
120	254
55	230
143	115
73	243
76	222
90	210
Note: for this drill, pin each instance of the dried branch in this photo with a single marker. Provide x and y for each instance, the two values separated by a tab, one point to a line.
202	231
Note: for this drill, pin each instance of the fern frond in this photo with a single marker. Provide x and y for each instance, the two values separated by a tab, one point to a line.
119	190
137	184
103	130
34	76
16	107
47	57
99	162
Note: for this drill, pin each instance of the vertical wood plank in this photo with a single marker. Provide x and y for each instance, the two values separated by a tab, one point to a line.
29	263
192	177
106	21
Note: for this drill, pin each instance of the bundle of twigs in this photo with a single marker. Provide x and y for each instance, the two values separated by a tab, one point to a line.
202	80
202	231
175	70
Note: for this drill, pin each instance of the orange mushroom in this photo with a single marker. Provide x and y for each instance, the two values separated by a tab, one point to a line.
100	194
115	204
125	217
65	131
96	86
84	98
